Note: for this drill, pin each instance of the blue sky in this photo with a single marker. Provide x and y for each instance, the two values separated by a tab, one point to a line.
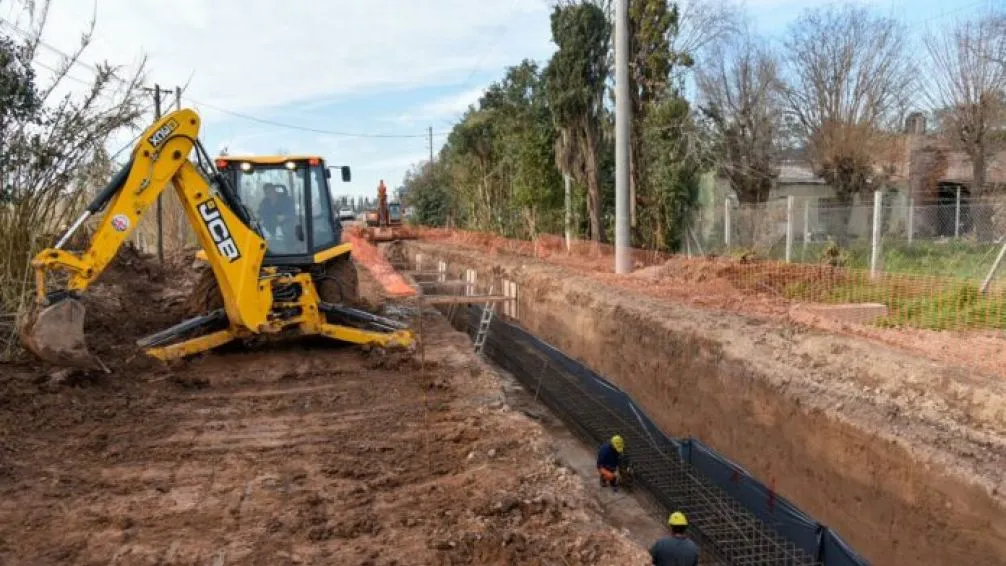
386	67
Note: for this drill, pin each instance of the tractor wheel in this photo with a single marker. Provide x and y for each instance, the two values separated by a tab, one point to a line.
340	284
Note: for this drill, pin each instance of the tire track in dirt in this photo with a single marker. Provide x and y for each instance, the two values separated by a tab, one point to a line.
290	455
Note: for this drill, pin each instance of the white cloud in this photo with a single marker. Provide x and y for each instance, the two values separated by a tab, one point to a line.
300	61
252	54
754	5
451	106
399	162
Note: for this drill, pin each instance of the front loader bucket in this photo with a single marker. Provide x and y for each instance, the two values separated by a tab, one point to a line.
56	335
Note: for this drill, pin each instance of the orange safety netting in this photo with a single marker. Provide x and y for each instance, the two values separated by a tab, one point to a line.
367	255
911	299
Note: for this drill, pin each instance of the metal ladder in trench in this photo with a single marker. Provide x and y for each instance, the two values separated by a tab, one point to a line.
485	322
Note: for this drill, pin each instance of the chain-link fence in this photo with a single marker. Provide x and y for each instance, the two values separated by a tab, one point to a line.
931	263
923	267
955	238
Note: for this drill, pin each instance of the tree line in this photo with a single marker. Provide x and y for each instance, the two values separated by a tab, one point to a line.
708	94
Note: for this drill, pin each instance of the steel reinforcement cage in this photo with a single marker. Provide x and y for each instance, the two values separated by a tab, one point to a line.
735	519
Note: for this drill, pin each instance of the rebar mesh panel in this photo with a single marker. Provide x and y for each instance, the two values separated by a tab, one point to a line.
727	532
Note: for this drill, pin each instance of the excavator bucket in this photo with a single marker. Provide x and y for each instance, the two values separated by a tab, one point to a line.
56	335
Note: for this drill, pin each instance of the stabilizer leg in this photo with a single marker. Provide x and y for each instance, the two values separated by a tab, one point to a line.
399	338
192	346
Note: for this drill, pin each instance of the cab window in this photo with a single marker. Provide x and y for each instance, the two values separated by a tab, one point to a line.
275	196
325	233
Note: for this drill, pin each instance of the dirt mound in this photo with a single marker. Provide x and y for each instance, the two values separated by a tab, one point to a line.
509	522
131	299
777	279
205	295
395	252
687	270
129	263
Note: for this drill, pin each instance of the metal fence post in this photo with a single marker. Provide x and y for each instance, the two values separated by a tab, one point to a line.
878	200
992	271
790	200
911	219
726	222
957	213
806	225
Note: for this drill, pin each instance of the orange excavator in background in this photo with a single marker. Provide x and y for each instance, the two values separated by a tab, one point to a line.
385	223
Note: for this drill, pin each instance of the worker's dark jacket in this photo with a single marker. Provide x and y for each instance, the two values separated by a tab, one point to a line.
607	457
675	551
270	211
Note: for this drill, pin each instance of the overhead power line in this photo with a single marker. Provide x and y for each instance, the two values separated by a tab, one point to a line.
220	109
308	128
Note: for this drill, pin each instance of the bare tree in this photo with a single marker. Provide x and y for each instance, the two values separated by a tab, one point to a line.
702	23
965	81
51	134
738	88
850	81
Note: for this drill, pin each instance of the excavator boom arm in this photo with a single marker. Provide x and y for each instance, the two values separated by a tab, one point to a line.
233	247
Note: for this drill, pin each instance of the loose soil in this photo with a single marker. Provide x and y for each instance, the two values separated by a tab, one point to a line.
292	453
900	454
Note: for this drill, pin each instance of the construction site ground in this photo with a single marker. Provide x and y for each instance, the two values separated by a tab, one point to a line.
293	453
894	438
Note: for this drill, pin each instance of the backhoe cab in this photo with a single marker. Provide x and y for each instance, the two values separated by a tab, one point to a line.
289	197
266	228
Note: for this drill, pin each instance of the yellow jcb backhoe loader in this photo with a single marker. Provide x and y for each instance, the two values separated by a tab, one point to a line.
266	228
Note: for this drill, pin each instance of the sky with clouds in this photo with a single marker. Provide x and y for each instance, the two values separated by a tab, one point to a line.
389	69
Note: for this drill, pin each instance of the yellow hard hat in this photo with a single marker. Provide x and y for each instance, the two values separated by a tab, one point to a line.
677	519
617	443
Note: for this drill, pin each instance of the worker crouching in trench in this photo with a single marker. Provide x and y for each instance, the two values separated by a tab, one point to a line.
608	459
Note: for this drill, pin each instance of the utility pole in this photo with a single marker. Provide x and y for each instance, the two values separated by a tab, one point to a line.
160	207
180	232
431	148
157	90
623	260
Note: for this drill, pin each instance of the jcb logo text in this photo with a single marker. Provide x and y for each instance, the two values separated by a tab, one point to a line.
158	137
218	229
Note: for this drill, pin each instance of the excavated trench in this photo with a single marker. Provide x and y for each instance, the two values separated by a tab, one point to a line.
823	419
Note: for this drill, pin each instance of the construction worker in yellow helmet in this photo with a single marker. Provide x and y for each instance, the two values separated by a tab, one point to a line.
608	458
676	549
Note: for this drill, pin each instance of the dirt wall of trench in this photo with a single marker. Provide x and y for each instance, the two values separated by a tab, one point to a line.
808	413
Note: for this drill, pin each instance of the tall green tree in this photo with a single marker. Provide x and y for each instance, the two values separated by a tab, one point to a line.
525	137
575	83
660	163
471	158
427	191
674	153
651	23
498	165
